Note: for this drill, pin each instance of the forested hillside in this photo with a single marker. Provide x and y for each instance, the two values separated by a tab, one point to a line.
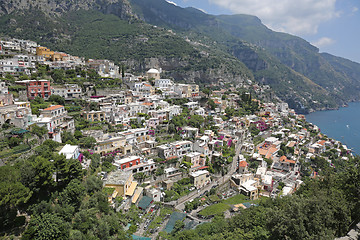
322	209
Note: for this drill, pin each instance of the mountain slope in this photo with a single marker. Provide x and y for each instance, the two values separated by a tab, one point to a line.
227	30
292	51
201	48
129	41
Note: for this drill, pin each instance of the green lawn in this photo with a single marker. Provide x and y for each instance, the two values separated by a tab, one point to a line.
214	209
214	198
237	199
225	204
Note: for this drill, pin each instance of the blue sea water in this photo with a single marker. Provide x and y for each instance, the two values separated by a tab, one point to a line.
342	125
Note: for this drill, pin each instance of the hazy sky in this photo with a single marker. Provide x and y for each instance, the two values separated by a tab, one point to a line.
331	25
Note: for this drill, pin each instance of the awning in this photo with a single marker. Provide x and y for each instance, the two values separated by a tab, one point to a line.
137	194
114	194
130	191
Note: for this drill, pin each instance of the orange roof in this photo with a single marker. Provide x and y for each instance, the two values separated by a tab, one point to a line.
291	144
53	107
243	164
147	104
263	152
268	155
290	161
284	159
272	150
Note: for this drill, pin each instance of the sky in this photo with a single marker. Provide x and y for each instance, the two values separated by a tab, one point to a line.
330	25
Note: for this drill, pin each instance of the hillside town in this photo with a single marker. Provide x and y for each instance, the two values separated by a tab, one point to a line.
177	152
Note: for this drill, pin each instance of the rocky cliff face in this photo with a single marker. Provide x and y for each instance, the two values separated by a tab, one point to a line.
120	8
173	67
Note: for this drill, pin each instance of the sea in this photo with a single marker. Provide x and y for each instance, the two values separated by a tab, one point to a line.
342	125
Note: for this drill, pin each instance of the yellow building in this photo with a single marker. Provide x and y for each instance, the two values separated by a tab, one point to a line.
200	178
194	90
112	144
121	181
23	104
57	57
94	116
187	90
45	52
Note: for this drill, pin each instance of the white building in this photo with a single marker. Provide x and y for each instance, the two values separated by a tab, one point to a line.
68	91
70	151
164	84
200	178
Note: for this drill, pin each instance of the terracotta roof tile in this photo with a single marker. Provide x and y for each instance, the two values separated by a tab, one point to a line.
53	107
243	164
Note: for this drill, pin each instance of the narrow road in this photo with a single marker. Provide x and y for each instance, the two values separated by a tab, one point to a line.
180	203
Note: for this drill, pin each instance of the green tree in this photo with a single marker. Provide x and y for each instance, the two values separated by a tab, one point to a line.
85	220
206	91
43	151
76	235
196	121
38	131
211	104
46	226
73	193
13	194
58	75
87	142
140	176
43	172
57	99
13	142
78	134
93	184
68	137
179	225
66	169
95	161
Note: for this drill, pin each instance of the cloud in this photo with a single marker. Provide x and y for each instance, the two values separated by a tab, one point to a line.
171	2
323	42
201	10
296	17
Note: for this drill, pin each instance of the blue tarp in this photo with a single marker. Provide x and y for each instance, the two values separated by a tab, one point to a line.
140	238
175	216
145	202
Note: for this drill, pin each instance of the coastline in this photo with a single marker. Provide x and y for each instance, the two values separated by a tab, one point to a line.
340	125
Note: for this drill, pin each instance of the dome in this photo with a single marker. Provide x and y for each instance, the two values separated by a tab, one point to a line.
153	70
